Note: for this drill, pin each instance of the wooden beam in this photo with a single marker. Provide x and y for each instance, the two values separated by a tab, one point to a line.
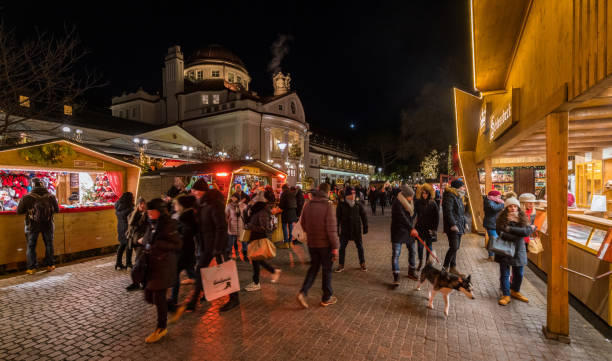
488	167
583	133
470	176
557	307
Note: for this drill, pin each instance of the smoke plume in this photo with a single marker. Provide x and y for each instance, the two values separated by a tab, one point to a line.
279	49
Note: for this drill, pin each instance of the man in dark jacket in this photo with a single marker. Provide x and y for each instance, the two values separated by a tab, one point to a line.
39	207
288	204
492	204
299	198
319	222
453	214
373	198
212	240
403	217
351	217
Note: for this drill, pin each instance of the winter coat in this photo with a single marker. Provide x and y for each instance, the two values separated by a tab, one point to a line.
453	211
122	211
351	220
491	210
187	227
260	221
319	222
288	203
212	227
233	212
299	199
513	232
402	222
137	226
428	217
27	202
163	244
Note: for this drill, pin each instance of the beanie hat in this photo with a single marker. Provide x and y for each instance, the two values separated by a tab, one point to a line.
527	198
457	183
200	185
349	190
37	182
186	201
407	190
510	201
494	193
157	204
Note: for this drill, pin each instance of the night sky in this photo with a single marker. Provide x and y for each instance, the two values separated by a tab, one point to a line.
349	64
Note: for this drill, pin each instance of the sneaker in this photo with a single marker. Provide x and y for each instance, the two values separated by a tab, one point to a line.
302	299
50	268
188	281
339	269
363	267
156	335
518	296
132	287
31	271
332	301
276	275
252	287
178	314
504	300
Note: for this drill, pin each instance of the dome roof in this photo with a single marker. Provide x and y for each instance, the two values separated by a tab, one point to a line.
214	52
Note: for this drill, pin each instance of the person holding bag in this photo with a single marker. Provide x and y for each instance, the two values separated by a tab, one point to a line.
260	224
137	227
428	217
492	205
512	226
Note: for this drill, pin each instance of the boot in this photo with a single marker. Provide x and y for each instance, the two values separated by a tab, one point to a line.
518	296
504	300
396	281
454	270
412	274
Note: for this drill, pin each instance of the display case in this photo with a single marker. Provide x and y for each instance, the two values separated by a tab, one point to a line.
589	181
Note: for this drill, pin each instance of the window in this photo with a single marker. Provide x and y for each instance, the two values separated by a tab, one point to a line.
200	74
215	98
190	74
280	107
134	113
215	73
293	107
24	101
67	109
239	79
204	98
230	77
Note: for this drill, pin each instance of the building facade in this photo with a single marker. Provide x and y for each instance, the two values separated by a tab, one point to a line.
209	96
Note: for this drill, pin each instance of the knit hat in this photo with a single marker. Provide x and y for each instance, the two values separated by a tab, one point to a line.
37	182
407	190
186	201
527	198
494	193
157	204
200	185
511	201
349	190
457	183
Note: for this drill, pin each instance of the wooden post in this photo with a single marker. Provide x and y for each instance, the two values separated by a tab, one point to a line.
488	167
557	307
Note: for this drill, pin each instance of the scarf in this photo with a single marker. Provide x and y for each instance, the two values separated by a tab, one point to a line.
513	217
495	199
408	205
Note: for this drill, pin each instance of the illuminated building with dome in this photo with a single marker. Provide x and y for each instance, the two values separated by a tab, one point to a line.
209	95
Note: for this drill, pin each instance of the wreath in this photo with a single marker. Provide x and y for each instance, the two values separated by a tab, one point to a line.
47	154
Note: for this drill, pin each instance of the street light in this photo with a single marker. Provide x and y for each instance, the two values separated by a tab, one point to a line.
144	141
136	140
184	148
66	129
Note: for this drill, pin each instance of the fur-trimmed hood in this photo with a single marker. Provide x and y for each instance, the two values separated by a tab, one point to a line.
453	191
503	222
426	188
407	205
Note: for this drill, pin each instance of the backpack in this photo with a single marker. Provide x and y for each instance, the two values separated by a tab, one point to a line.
42	210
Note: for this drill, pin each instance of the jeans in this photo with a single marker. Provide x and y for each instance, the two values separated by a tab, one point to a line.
32	238
256	269
245	248
429	244
397	251
232	241
287	231
358	244
320	257
158	298
454	242
492	234
504	278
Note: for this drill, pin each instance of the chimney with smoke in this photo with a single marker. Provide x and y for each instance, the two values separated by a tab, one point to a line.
279	49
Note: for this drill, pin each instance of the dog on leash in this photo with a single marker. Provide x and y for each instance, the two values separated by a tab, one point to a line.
445	283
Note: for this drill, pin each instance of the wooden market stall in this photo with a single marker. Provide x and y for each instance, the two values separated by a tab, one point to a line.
542	98
86	183
250	174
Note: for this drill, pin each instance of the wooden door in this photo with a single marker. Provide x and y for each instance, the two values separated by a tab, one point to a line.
524	181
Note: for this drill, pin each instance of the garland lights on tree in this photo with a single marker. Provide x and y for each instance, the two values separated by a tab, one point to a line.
429	165
451	171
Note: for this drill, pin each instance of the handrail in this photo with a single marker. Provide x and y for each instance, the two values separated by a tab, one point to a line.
587	276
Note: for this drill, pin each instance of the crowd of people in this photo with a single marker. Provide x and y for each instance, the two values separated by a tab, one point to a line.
188	230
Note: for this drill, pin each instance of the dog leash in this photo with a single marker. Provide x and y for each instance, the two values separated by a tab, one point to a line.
429	250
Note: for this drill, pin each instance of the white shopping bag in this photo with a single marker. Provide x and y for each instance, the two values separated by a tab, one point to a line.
298	232
220	280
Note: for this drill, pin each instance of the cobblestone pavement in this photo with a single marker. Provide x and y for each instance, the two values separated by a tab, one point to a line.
82	311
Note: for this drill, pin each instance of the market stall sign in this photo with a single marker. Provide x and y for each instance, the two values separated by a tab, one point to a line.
249	170
92	164
505	117
485	113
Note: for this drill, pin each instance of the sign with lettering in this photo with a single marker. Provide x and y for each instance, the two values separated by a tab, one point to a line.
485	113
92	164
505	116
249	170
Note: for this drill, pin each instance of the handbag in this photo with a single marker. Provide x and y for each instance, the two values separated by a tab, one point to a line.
245	235
501	247
261	249
298	232
139	271
535	245
220	280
